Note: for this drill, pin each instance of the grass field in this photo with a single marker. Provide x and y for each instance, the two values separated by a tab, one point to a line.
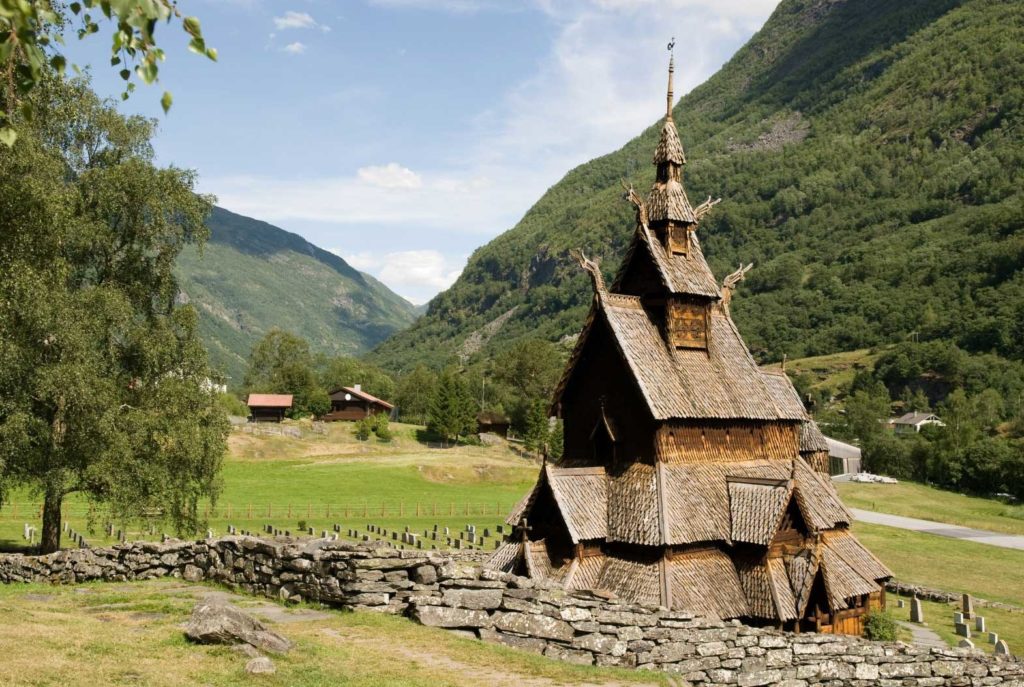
834	371
1009	625
953	565
919	501
130	634
327	479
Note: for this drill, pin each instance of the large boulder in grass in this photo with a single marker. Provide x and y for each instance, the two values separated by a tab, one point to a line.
218	623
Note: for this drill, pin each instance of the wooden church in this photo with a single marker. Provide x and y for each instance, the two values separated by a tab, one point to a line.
691	477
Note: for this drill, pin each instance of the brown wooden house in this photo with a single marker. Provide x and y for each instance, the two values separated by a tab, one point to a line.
490	422
352	403
691	477
268	407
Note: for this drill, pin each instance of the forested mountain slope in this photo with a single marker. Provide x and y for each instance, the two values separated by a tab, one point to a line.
869	156
252	276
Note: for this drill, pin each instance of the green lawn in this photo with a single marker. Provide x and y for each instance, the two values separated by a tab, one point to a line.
130	634
833	371
939	618
953	565
914	500
333	478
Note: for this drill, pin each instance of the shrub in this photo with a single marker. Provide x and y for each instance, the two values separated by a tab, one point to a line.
363	429
302	525
879	625
382	427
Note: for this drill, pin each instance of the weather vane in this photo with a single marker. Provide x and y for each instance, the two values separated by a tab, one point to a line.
672	44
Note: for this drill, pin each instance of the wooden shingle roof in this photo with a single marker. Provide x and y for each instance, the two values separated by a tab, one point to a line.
756	509
723	382
582	498
667	201
706	583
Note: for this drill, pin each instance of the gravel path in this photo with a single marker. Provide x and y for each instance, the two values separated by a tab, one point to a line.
922	636
1007	541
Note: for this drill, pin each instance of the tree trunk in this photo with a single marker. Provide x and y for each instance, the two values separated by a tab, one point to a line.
50	539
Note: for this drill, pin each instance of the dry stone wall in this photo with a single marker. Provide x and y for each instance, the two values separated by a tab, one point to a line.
440	590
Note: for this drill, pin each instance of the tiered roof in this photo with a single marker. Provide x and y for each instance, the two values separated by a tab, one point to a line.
689	524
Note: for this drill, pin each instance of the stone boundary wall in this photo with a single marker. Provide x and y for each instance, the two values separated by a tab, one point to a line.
439	590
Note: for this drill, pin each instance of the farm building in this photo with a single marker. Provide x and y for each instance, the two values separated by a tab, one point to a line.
690	478
268	407
352	403
844	459
912	423
489	422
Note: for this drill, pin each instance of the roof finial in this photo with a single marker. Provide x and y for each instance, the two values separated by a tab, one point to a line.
671	70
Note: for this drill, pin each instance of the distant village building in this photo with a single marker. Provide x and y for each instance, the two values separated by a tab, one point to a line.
489	422
911	423
844	459
687	480
352	403
268	407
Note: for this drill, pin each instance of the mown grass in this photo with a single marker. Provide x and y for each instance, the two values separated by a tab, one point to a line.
1009	625
913	500
94	635
989	572
334	478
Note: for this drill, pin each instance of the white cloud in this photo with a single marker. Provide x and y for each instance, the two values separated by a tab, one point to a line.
455	6
294	20
295	48
414	274
601	82
391	175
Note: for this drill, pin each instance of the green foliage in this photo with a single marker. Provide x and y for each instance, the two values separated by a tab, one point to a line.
281	363
871	162
414	394
232	405
530	368
382	427
251	277
363	429
880	626
104	385
452	411
31	34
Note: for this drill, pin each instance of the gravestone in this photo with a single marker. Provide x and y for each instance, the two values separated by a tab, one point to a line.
323	534
963	629
309	530
458	543
419	544
487	532
993	637
958	618
965	644
501	529
497	543
394	535
446	531
433	535
916	612
979	623
899	603
1002	648
968	606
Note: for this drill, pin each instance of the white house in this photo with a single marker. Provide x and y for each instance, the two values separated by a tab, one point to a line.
913	422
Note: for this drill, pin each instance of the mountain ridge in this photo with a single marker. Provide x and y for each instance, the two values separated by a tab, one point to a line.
252	276
869	156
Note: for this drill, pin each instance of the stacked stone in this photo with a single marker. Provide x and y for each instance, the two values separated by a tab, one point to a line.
442	590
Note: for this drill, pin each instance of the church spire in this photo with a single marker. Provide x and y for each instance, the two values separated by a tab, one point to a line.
668	201
671	71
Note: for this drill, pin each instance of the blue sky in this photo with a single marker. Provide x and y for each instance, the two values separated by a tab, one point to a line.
403	134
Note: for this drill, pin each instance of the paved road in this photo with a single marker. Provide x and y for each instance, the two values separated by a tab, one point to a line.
1007	541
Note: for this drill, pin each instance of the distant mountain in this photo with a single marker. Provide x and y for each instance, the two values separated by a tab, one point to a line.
252	276
870	157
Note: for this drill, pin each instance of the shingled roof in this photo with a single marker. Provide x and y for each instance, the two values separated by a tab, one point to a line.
723	382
